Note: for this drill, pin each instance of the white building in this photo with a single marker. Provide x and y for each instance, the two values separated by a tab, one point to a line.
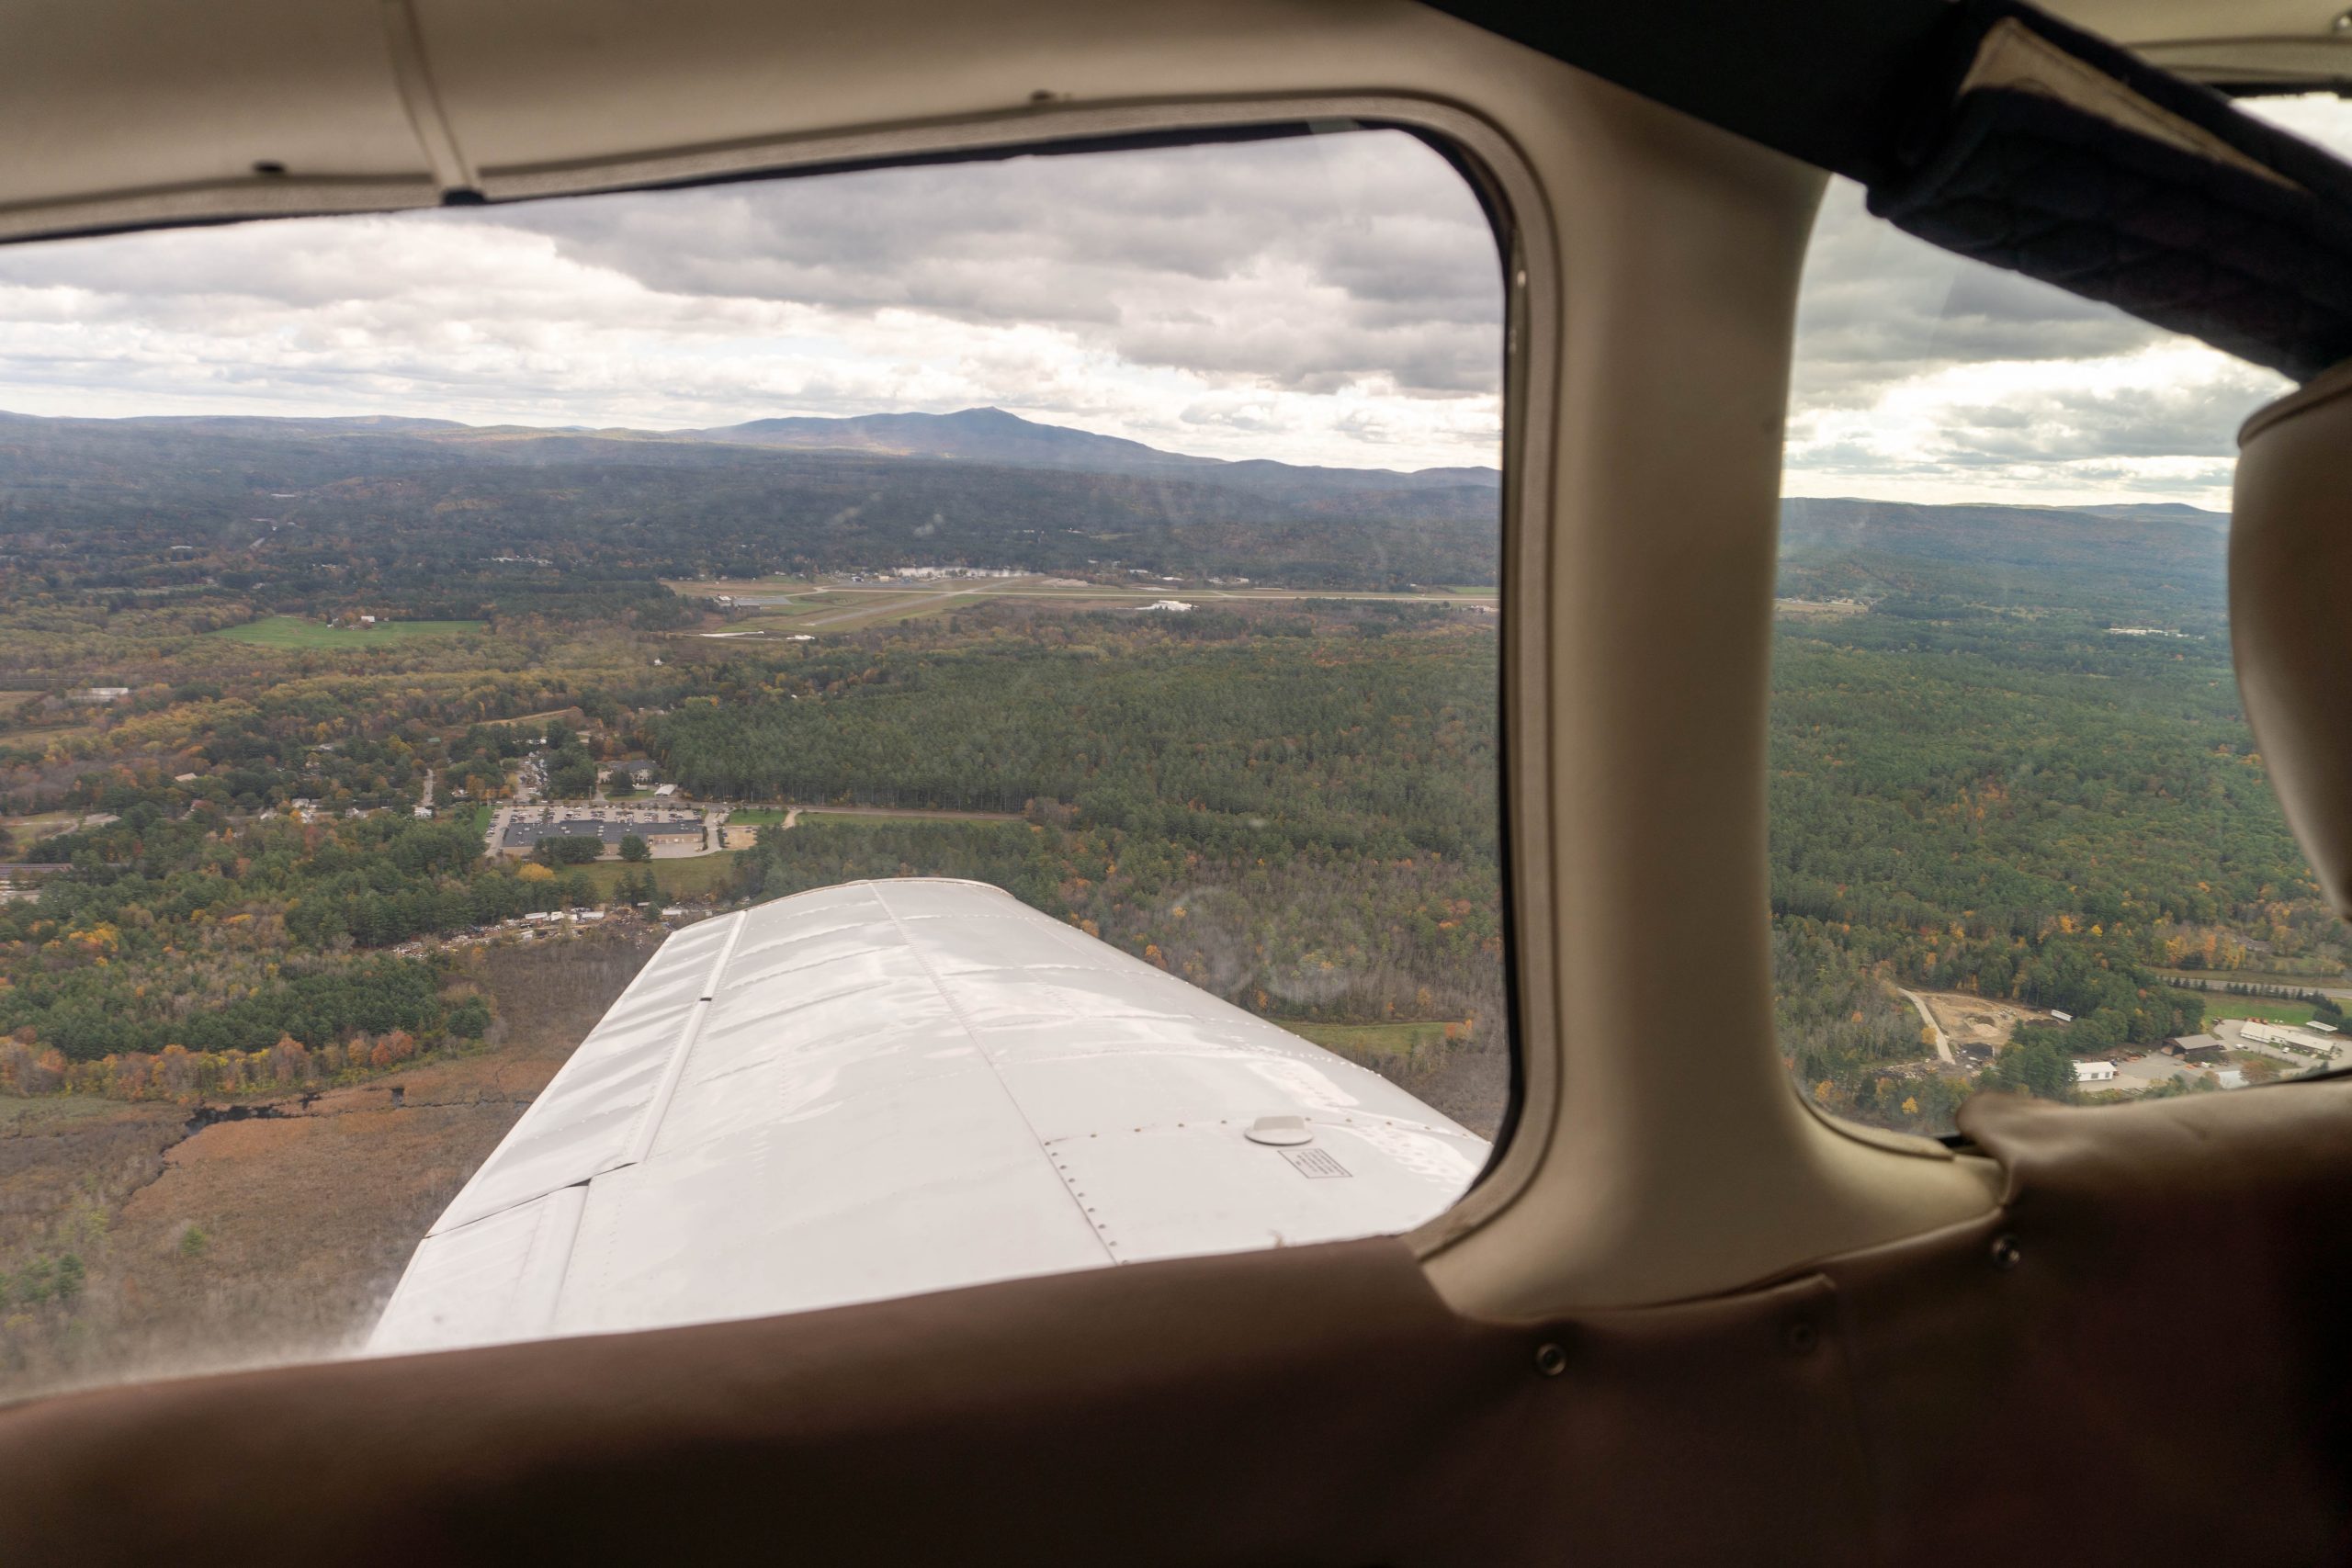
1169	607
2094	1072
2292	1039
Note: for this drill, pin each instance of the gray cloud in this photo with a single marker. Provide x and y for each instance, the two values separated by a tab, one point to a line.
1311	262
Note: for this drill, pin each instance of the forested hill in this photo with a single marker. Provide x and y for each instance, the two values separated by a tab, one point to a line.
2137	560
992	435
484	517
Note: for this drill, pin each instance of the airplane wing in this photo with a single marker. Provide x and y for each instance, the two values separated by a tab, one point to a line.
888	1088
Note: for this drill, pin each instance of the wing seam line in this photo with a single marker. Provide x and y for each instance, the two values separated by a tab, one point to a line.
979	1047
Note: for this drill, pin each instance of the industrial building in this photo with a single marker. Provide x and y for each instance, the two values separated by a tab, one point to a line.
671	833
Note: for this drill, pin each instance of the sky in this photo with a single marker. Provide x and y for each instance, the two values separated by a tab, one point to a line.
1332	298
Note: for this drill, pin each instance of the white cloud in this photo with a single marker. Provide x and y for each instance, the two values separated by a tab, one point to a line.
1328	299
1921	377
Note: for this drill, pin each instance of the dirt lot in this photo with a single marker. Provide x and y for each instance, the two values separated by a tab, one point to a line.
274	1232
1976	1021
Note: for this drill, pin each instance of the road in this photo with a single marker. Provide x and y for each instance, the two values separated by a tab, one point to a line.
2263	985
1935	1030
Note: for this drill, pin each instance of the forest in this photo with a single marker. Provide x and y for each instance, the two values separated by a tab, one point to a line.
453	522
2006	753
2021	772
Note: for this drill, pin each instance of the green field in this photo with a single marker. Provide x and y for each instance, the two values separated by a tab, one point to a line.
755	816
697	876
2262	1010
295	631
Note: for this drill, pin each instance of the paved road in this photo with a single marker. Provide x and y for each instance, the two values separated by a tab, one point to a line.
1935	1030
2263	987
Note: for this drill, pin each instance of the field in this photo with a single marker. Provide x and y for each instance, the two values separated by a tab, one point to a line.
2259	1010
275	1236
695	876
298	632
755	816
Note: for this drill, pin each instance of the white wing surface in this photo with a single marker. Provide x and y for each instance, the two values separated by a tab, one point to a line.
888	1088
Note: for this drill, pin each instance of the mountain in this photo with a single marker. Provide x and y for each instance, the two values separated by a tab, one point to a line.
458	515
992	435
2141	557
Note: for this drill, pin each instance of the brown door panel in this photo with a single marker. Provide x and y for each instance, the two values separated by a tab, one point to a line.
2142	1357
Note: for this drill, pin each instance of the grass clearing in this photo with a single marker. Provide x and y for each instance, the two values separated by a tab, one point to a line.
755	816
47	1112
298	632
2260	1009
696	876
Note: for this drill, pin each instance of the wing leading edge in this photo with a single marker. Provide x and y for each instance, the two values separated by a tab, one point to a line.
888	1088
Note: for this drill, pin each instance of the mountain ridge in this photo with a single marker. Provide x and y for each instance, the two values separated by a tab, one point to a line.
987	436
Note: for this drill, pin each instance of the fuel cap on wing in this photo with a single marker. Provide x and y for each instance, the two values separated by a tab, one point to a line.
1280	1130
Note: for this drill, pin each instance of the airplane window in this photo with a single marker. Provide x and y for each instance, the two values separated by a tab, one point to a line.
971	690
2021	838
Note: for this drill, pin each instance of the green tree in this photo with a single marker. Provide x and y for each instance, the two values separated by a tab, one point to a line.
635	849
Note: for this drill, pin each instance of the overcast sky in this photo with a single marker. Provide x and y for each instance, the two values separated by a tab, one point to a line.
1328	299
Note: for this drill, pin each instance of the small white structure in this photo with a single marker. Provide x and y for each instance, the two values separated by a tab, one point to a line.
666	789
2094	1072
97	694
1169	606
2229	1078
421	813
2323	1028
2062	1017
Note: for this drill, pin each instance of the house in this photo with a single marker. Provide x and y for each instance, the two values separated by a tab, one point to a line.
2094	1072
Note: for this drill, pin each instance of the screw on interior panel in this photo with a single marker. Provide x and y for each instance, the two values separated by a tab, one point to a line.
269	166
1551	1360
2007	1253
2342	24
1801	1337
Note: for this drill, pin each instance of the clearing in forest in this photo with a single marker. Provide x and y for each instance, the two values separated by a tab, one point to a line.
296	631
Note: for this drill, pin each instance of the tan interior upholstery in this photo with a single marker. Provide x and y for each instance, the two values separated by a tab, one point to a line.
2291	557
2139	1358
